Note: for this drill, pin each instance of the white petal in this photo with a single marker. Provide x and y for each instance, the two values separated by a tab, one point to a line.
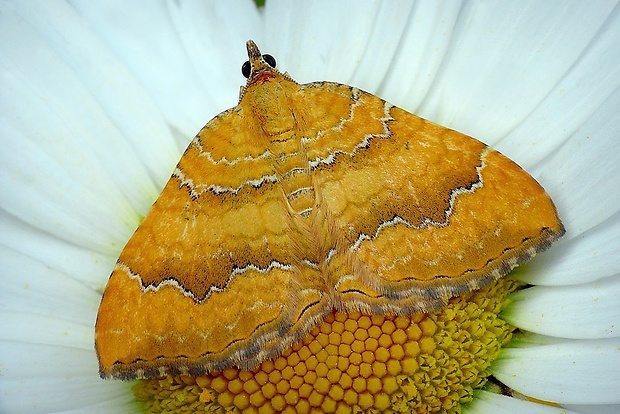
587	257
420	55
82	71
46	328
320	56
217	56
38	289
594	409
586	311
46	195
583	175
572	372
53	360
491	403
580	89
504	59
200	71
30	251
58	151
122	403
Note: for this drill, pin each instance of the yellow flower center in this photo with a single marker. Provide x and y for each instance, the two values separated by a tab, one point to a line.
424	363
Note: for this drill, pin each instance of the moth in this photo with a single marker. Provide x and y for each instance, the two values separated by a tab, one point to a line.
300	200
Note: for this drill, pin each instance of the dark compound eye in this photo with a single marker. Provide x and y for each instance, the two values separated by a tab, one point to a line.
271	61
246	69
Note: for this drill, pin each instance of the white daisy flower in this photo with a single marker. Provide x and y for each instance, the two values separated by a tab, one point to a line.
98	101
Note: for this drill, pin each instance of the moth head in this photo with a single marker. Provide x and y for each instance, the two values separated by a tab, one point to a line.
258	64
259	68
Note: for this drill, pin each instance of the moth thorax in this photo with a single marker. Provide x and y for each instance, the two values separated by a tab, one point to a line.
271	108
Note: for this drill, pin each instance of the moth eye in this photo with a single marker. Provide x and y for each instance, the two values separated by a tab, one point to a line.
246	69
271	61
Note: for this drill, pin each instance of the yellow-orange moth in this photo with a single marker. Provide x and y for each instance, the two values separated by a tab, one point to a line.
300	200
